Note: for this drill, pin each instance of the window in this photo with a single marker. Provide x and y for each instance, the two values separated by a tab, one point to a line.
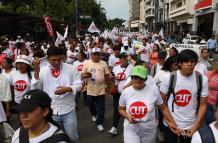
179	5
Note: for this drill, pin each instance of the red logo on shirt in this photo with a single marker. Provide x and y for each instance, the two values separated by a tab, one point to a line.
55	72
138	109
72	56
183	97
117	63
145	51
121	76
80	67
20	85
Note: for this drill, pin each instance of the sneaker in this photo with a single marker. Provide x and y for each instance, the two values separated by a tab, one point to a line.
100	128
94	119
113	131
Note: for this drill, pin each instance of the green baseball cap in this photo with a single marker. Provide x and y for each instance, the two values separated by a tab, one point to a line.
139	71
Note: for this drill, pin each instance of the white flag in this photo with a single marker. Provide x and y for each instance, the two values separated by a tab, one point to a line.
115	30
66	32
161	33
59	39
92	28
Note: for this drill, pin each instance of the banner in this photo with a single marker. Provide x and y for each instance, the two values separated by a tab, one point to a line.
196	48
92	28
48	25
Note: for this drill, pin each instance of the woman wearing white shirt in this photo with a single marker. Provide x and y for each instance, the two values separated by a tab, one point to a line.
121	74
169	66
77	67
21	78
7	67
137	104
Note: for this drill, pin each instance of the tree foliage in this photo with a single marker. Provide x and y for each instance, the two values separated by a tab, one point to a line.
62	10
116	22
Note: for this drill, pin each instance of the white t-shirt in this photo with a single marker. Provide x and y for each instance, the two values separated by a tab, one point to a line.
185	105
2	114
146	52
121	75
113	61
78	66
7	75
200	67
21	83
71	56
129	51
141	105
45	135
158	78
196	138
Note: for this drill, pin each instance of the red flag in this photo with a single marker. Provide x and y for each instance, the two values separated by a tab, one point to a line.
49	26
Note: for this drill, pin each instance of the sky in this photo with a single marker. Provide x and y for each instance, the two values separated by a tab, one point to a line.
116	8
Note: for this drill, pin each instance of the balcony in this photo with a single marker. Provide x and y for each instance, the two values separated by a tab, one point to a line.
149	14
149	7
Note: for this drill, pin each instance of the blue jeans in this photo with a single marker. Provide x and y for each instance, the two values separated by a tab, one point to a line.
96	106
68	122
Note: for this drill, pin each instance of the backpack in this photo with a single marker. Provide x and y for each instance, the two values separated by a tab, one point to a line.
172	84
57	136
206	134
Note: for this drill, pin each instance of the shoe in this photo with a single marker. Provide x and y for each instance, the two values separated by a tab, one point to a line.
94	119
100	128
113	131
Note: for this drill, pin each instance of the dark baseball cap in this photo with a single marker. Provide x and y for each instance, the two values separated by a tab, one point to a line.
33	99
123	55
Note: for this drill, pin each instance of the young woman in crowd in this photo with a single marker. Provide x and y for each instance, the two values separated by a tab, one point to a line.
21	78
7	66
137	105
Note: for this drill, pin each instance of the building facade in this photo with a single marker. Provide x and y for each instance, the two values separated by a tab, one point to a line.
206	18
134	15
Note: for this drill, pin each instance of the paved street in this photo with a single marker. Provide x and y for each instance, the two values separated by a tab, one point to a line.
87	128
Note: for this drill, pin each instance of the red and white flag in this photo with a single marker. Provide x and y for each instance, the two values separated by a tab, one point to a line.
92	28
48	25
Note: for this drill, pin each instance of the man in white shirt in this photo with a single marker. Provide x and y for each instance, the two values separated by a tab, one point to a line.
61	83
186	104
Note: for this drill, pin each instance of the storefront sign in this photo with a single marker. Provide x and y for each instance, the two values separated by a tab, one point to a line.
202	4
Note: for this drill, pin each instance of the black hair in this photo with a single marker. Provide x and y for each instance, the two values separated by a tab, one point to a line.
169	62
29	69
9	61
55	51
48	118
203	50
187	55
39	53
83	54
175	50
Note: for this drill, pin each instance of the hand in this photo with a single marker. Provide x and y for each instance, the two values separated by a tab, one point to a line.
36	64
131	119
174	128
62	90
193	129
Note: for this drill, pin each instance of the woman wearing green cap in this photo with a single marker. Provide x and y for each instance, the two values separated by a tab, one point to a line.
137	104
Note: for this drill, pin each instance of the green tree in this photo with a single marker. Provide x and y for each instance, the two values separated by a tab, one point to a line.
116	22
61	10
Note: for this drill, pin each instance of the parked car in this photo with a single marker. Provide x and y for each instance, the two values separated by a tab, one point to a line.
192	39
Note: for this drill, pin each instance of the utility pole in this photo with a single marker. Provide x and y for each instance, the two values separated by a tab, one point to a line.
76	24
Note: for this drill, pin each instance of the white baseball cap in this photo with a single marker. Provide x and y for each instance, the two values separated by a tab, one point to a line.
23	59
96	50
